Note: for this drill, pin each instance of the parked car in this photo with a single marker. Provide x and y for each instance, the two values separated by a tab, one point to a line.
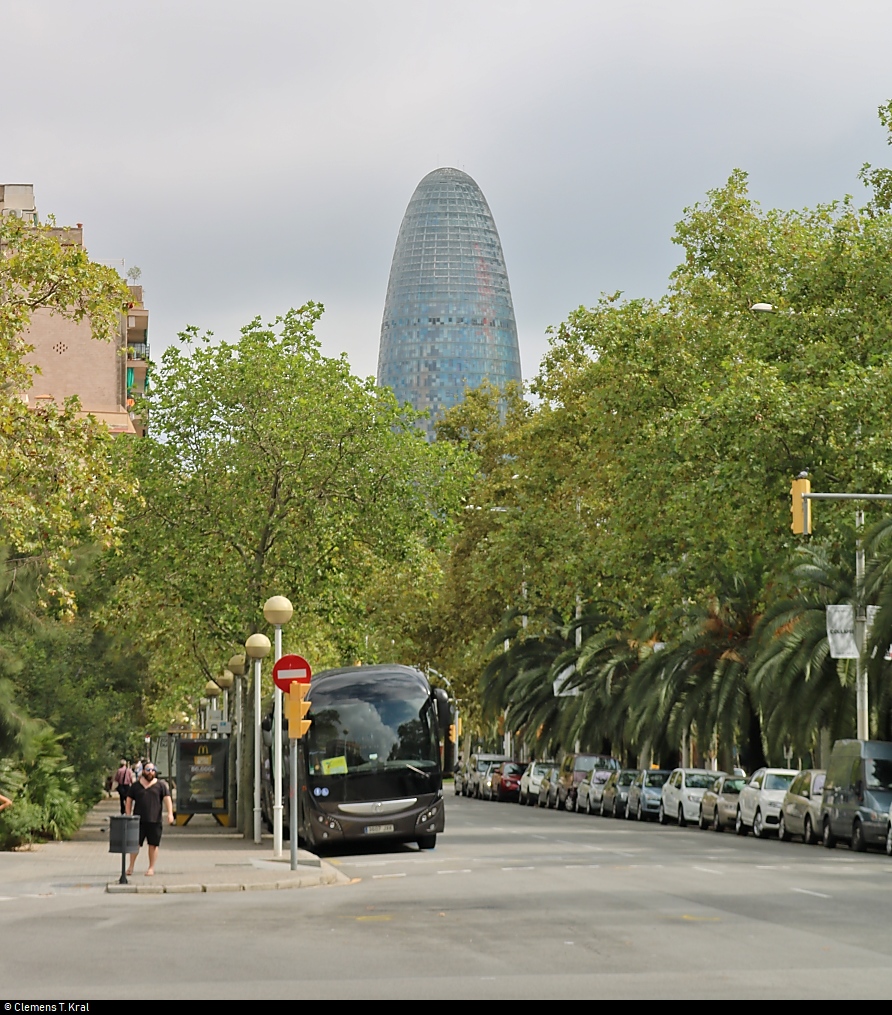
506	781
682	792
548	788
857	794
531	780
573	770
478	766
588	796
645	793
801	809
616	793
718	808
760	801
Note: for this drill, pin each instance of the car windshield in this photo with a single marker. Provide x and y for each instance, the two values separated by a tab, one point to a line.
695	780
878	772
773	781
733	786
540	769
655	779
626	778
817	786
513	769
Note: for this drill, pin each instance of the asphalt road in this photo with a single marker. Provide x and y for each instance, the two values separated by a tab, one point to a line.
514	902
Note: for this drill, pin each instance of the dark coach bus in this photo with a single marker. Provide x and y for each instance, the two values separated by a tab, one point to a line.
370	764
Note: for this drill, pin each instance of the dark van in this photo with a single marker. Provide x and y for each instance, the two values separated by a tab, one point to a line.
857	794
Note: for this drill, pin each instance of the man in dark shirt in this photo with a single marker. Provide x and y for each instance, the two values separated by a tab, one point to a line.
147	796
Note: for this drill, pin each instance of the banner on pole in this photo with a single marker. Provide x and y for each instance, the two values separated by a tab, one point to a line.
841	632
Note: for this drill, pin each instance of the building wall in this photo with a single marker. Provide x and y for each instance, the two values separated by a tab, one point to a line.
72	362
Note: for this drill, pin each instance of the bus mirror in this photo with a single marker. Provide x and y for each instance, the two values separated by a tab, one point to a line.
444	712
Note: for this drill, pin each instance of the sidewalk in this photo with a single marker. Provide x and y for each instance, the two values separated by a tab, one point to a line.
198	857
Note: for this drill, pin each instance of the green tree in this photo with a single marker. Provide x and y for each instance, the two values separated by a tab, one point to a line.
59	485
271	469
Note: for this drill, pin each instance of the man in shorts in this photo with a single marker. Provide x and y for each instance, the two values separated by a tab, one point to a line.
148	796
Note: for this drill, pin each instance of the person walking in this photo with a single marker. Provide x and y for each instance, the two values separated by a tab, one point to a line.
124	779
148	796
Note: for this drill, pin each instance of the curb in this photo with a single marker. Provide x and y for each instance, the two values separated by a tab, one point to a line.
113	888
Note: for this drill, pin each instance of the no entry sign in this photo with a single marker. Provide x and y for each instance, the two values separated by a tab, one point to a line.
291	668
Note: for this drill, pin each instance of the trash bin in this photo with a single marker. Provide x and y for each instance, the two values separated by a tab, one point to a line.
123	833
123	838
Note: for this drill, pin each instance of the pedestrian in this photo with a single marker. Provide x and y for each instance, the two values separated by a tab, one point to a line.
148	796
123	780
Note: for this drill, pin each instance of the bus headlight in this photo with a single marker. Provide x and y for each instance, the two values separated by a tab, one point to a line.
328	822
428	815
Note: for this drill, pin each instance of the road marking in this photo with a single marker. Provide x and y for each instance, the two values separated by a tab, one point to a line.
805	891
700	919
374	919
518	868
707	870
574	866
375	877
464	870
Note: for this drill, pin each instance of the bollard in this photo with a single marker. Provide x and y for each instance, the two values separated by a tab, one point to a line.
123	838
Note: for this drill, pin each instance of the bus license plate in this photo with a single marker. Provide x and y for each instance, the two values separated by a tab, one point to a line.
377	829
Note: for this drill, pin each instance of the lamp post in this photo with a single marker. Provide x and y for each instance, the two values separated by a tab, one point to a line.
211	690
236	666
257	648
224	681
278	611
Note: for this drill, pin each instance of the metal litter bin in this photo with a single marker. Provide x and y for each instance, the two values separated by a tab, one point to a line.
123	838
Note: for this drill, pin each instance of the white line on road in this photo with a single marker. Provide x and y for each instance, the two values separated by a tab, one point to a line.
707	870
805	891
375	877
518	868
574	866
464	870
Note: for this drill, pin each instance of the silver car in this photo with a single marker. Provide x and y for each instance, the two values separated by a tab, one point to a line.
801	809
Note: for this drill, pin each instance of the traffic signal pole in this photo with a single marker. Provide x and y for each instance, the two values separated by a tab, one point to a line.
802	523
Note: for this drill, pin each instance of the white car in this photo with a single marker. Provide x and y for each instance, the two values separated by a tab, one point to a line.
531	781
682	793
760	801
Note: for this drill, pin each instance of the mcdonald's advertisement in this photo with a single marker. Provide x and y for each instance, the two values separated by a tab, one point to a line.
202	776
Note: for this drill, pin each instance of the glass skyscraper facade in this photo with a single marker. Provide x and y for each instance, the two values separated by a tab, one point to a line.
448	317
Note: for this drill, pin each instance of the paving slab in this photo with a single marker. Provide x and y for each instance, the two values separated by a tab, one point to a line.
195	858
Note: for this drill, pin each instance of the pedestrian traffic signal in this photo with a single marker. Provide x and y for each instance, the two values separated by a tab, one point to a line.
799	506
296	707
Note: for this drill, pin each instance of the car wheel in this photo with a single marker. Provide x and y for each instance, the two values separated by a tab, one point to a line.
701	821
717	822
758	827
521	799
681	820
782	832
828	838
808	833
661	817
739	826
858	843
889	841
427	841
588	805
640	810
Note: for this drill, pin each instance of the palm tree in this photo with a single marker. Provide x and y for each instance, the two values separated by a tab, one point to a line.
798	686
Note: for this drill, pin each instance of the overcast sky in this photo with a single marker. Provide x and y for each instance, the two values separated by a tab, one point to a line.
249	157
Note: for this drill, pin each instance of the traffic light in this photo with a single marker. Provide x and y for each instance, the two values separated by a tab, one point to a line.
451	736
296	707
801	509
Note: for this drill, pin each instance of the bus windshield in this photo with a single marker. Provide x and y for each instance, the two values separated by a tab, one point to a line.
372	740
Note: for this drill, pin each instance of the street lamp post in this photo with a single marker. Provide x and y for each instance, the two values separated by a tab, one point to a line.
257	648
236	666
278	611
211	690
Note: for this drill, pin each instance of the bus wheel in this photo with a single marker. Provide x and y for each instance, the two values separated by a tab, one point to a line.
427	841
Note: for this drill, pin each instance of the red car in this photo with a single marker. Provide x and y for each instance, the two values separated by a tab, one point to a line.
506	781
